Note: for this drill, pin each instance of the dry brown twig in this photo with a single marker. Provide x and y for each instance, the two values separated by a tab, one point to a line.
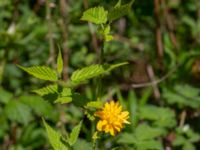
152	79
155	81
63	24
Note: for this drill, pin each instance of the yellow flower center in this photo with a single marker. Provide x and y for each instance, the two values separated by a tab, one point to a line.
112	118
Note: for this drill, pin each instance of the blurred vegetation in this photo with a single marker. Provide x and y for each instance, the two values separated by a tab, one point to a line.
159	87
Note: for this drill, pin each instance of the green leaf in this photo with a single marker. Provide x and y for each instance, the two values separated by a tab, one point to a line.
183	95
118	4
47	90
5	96
95	104
92	71
87	73
193	136
108	38
74	134
119	11
179	140
41	72
82	145
63	100
189	146
127	138
54	138
90	115
95	15
15	110
59	62
39	106
162	117
146	132
149	145
106	30
65	96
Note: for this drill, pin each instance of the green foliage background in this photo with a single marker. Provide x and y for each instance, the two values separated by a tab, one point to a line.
163	115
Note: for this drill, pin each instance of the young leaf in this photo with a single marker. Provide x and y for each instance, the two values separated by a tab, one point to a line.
74	134
87	73
119	11
59	62
47	90
65	97
106	30
63	100
95	104
118	4
92	71
97	15
108	38
41	72
54	138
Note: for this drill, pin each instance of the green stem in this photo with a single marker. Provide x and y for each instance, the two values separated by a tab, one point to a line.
94	144
102	54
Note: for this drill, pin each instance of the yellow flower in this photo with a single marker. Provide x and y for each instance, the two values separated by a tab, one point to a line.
112	118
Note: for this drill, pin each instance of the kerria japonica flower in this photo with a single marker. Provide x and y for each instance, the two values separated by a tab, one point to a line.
112	118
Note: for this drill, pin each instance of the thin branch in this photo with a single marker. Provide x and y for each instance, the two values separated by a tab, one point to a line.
155	81
182	118
152	79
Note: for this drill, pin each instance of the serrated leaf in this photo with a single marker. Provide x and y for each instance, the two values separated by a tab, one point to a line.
92	71
47	90
149	144
66	92
65	96
119	11
54	138
90	115
39	106
74	134
127	138
146	132
19	112
87	73
41	72
97	15
183	95
59	62
162	117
